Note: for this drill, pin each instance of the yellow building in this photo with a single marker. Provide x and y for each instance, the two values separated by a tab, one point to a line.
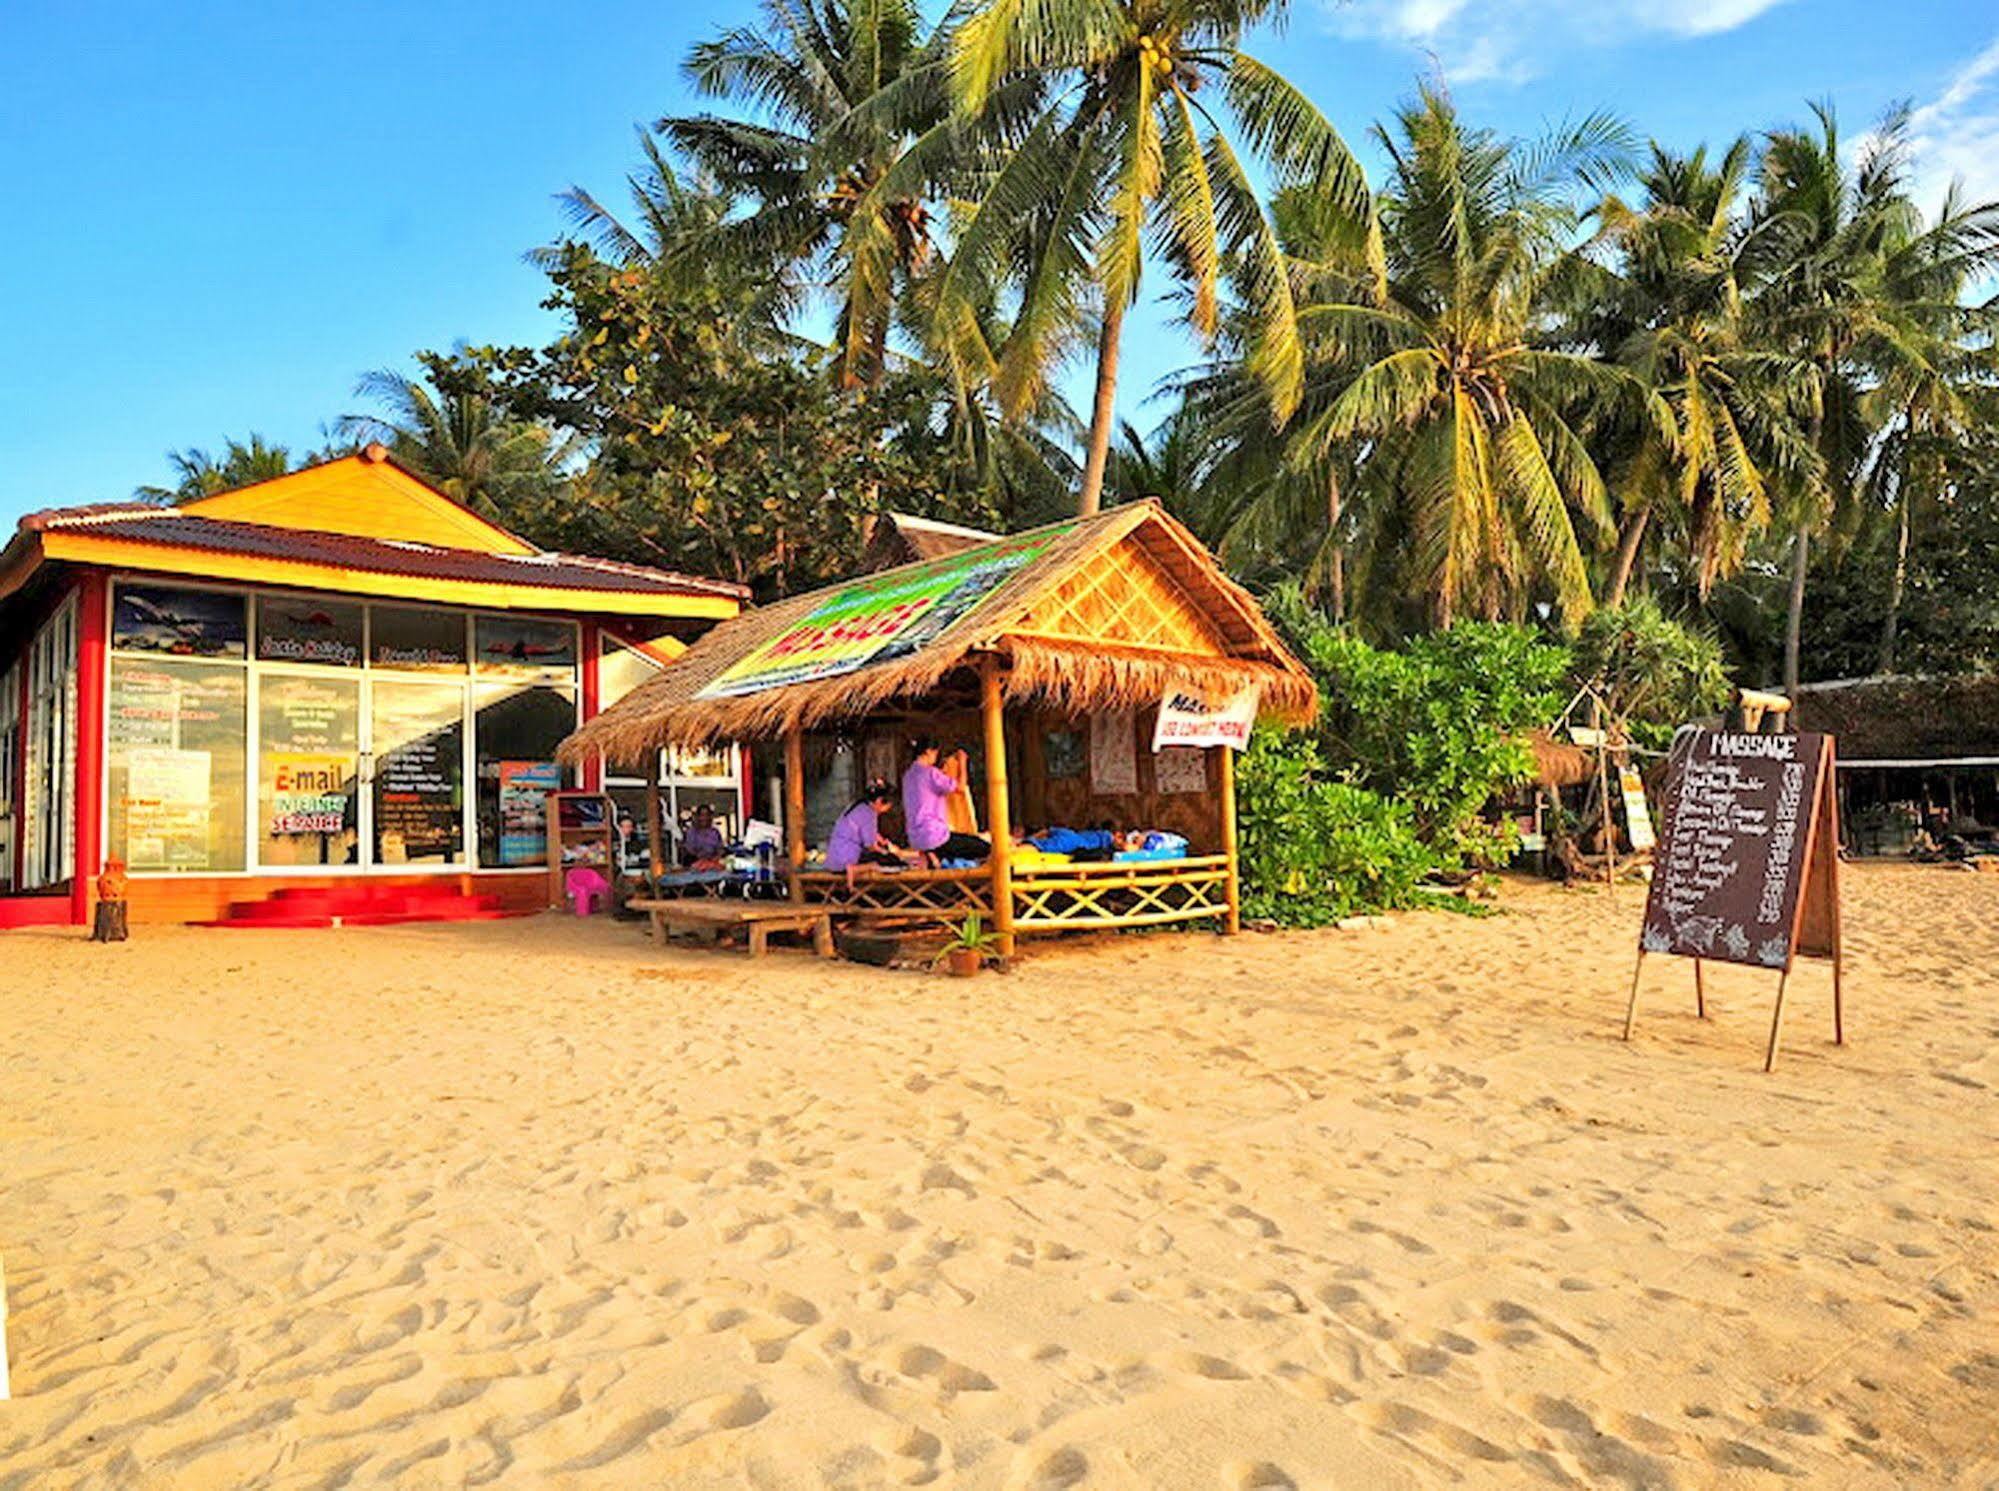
333	694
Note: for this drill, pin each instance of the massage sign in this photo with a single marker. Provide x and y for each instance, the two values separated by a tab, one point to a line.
1747	867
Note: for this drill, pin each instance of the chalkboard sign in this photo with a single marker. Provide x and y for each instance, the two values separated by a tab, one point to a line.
1747	866
1730	866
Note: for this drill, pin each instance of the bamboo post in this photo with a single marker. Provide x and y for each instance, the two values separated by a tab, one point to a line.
655	823
998	810
1232	924
794	808
1776	1023
1631	1009
1700	991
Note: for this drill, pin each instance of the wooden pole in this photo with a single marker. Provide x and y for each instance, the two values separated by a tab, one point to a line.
1700	991
655	821
1233	885
1603	787
1776	1023
998	809
794	808
1631	1009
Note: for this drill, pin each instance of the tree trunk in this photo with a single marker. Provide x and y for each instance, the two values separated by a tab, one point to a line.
1892	622
1104	411
1337	567
1627	557
1794	619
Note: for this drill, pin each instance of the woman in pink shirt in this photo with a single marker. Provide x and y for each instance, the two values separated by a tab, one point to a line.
926	787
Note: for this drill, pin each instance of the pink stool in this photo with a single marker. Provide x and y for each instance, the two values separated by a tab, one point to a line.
586	888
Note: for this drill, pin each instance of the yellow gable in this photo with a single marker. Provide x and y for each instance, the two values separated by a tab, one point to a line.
1124	596
363	496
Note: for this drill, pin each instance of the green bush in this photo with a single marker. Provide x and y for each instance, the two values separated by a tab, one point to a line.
1655	672
1316	849
1391	784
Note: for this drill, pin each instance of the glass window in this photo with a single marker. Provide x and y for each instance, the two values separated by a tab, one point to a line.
296	629
419	641
523	647
177	732
620	669
309	749
515	734
181	623
419	742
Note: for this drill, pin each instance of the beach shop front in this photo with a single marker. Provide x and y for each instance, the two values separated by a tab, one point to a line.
1050	656
338	687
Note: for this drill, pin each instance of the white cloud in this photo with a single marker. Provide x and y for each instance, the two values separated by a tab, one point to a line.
1503	39
1956	134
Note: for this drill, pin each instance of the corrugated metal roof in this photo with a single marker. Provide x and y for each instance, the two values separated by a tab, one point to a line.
169	528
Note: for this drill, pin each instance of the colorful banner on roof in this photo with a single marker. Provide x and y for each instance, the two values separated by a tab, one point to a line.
882	618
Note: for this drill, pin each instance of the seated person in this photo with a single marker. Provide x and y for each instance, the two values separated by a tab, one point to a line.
1150	844
857	838
701	846
926	787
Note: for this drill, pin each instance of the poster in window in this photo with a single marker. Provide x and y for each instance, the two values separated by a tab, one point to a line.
524	789
1113	753
179	623
297	629
308	792
1180	769
417	641
523	647
166	808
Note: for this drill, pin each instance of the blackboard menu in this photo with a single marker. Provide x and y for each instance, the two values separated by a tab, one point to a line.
1730	866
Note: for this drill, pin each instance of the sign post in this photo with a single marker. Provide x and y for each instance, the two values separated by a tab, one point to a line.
1747	869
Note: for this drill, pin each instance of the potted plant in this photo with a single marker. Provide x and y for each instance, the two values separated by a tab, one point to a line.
970	945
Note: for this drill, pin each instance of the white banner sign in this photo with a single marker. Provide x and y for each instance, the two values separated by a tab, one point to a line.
1186	719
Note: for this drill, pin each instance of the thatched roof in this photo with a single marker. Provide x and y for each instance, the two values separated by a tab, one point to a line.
1905	718
1092	614
1560	763
897	539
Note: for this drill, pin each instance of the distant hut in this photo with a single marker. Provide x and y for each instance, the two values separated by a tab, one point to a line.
902	538
1916	755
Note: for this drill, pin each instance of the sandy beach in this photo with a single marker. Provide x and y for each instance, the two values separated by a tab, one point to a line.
535	1205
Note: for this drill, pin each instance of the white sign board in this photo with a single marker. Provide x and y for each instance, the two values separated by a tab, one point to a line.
1186	719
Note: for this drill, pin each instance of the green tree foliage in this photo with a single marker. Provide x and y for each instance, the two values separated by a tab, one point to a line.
198	473
761	471
1654	673
455	439
1393	782
1106	145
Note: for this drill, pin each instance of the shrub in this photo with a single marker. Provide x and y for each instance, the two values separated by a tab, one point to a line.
1655	672
1315	849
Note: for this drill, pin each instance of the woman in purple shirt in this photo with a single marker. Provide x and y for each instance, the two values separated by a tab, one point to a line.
857	838
925	788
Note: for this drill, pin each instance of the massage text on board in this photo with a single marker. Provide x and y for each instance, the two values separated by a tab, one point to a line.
1727	874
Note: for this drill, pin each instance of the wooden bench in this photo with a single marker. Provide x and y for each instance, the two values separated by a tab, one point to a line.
755	919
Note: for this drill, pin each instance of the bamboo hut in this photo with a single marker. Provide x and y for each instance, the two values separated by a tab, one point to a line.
1049	651
1918	757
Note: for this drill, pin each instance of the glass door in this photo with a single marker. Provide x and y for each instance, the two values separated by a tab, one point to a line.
417	747
308	770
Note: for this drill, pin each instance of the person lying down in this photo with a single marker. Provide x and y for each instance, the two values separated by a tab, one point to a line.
1100	845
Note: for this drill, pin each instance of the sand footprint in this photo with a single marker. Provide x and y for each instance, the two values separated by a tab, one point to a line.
1259	1475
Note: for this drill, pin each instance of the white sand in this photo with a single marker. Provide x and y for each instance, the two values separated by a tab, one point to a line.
533	1205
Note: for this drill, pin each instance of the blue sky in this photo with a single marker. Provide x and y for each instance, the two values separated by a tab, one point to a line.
221	214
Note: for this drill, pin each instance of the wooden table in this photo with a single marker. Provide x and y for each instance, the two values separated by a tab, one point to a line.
757	919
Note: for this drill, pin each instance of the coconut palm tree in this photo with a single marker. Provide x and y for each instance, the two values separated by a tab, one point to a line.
455	439
849	130
1668	306
200	474
1107	112
1475	470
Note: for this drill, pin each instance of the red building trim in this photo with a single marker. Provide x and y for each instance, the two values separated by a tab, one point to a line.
593	648
92	596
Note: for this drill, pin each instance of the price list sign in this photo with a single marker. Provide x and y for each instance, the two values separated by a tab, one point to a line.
1747	864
